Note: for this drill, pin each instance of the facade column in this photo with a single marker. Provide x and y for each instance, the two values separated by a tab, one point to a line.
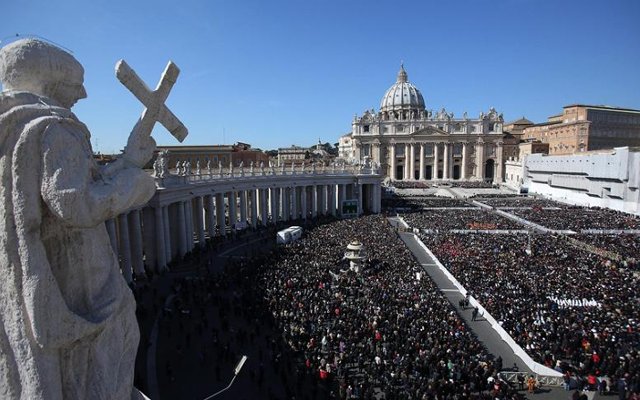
392	162
220	214
325	199
113	235
135	236
303	202
445	166
463	167
167	233
314	201
200	220
233	209
436	156
360	187
125	249
479	160
161	252
412	162
498	168
421	163
182	230
406	162
243	207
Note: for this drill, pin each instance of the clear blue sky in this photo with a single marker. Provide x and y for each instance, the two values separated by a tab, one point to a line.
274	73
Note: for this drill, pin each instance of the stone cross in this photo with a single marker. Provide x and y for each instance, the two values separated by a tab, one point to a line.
153	100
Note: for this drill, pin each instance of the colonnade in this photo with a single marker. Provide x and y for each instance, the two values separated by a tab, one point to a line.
177	220
441	161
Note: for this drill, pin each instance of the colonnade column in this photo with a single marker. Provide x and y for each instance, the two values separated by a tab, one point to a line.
254	208
200	220
135	235
421	163
167	233
190	227
125	249
182	230
436	156
303	202
445	166
233	209
264	207
498	168
161	251
463	168
332	199
243	206
294	203
314	201
211	216
273	192
220	211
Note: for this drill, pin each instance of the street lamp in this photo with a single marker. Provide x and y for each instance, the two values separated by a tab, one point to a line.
236	371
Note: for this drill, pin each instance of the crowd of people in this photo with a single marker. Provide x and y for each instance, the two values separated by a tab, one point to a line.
471	184
518	201
570	309
420	202
627	246
471	219
580	218
384	331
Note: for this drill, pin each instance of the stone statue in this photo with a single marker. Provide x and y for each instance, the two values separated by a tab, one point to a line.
68	328
198	170
186	166
220	169
465	116
262	168
251	168
164	163
209	167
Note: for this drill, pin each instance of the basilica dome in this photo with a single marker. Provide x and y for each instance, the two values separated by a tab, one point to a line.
402	95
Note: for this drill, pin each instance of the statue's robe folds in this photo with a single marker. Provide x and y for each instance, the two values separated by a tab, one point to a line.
67	318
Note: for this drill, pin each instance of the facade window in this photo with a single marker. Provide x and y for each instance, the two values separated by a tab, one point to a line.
399	128
365	128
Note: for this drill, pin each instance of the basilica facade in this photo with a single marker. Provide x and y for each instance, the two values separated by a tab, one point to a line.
412	143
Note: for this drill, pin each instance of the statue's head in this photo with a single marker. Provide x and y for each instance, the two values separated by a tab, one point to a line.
39	67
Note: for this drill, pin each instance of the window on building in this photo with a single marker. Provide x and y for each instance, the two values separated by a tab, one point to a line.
365	128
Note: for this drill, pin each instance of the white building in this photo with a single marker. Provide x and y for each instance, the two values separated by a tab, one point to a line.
413	143
605	179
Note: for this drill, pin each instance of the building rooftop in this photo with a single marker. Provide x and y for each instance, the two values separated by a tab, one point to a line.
603	107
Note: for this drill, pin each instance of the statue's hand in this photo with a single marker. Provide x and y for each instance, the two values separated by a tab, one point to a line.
139	150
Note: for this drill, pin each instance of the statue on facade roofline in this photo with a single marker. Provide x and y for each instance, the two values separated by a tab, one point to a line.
68	328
